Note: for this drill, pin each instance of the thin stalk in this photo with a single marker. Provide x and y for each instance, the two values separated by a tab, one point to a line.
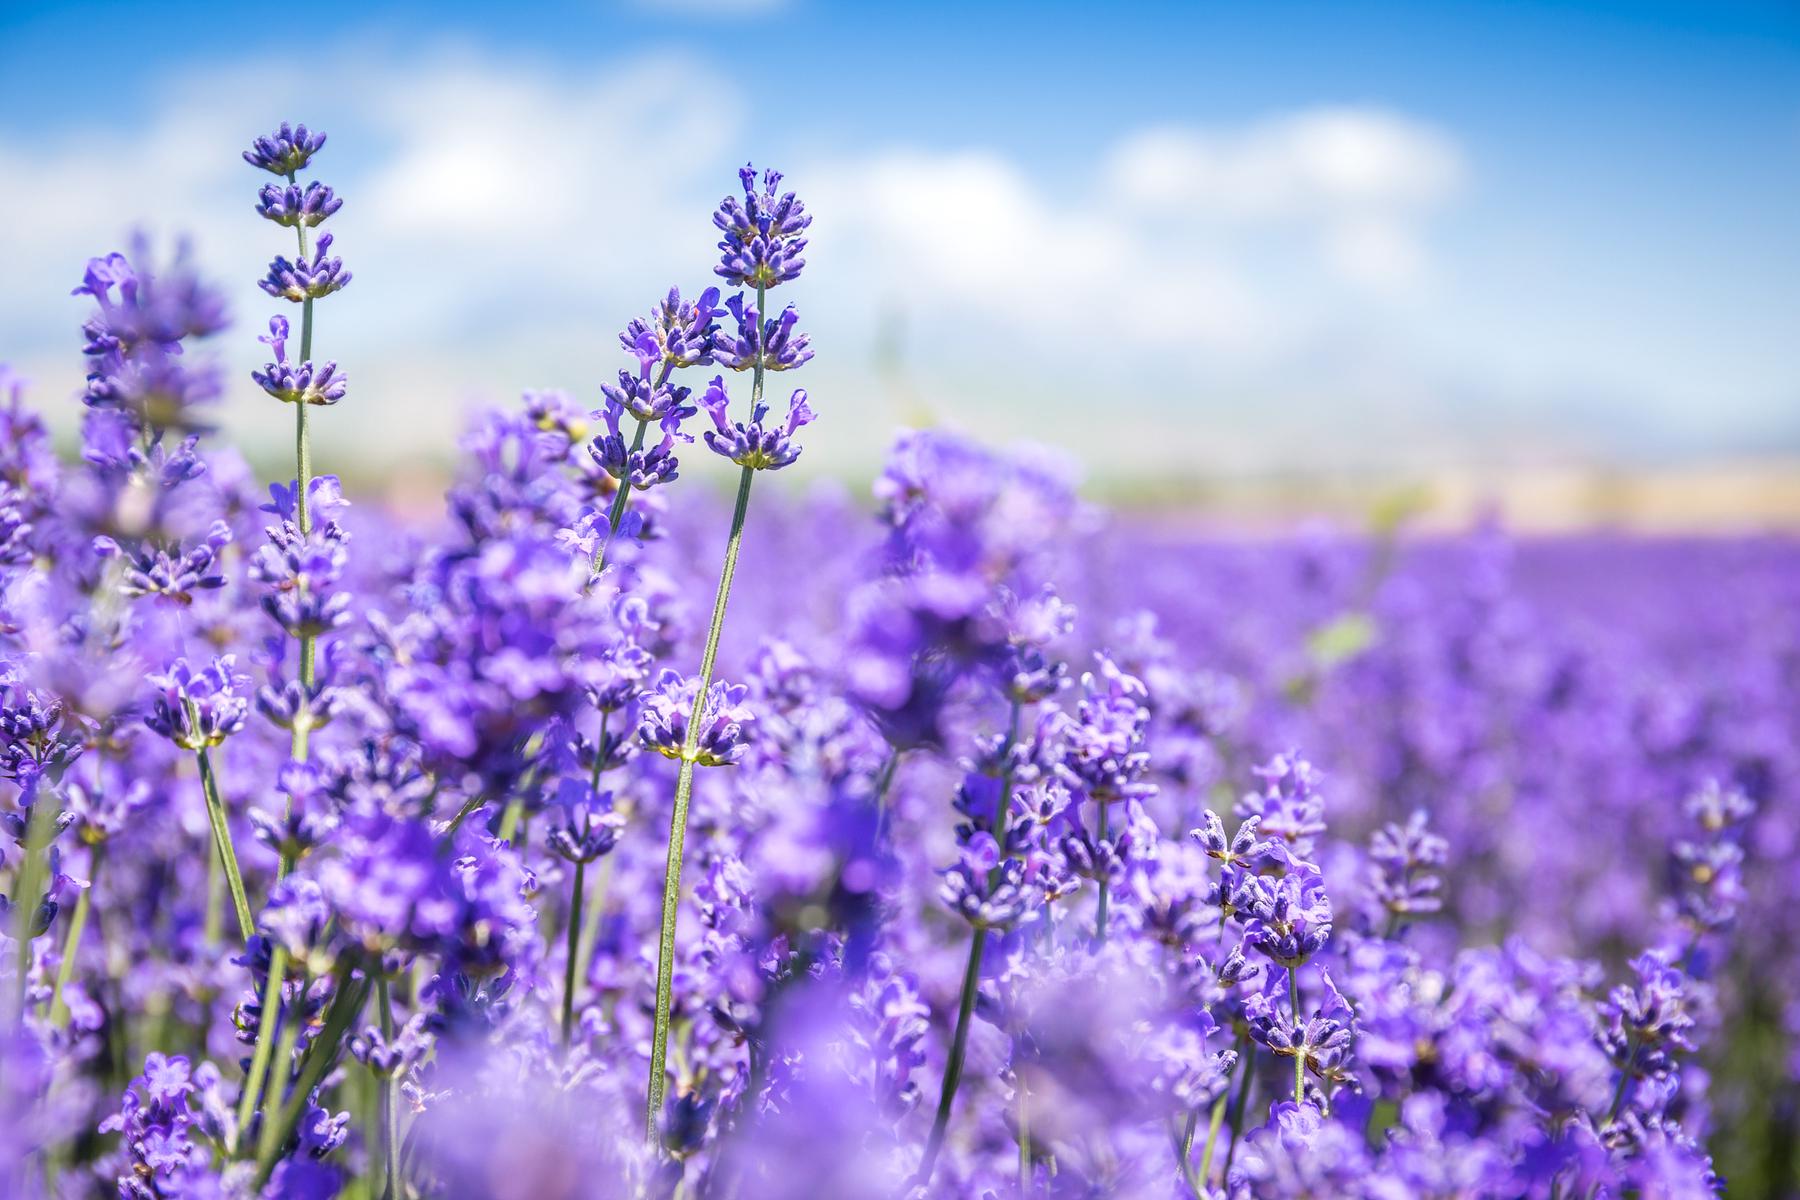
221	828
684	790
1299	1047
1180	1141
509	819
1618	1100
462	814
570	973
283	1061
1024	1139
1217	1117
29	883
883	782
1105	886
1247	1078
265	1039
953	1069
959	1039
617	513
59	1011
345	1006
390	1108
298	749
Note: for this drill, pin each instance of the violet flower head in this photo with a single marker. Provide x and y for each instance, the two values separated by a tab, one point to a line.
306	278
197	708
759	447
764	233
774	345
678	333
285	151
725	720
1288	918
647	399
297	382
291	205
644	467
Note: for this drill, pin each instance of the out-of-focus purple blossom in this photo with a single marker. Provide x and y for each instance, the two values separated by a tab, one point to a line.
583	824
1408	860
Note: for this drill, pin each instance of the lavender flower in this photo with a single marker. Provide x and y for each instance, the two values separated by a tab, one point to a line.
725	721
297	383
285	151
291	205
306	278
198	707
763	240
754	446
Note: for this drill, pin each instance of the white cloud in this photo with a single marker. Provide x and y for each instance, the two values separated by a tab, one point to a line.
503	219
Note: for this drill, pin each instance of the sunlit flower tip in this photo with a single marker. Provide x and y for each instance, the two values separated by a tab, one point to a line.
306	279
763	233
285	151
292	205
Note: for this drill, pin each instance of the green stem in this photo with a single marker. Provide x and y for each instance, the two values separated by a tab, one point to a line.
1299	1046
221	827
570	973
462	814
1217	1117
298	749
1105	886
1181	1142
282	1061
345	1006
1024	1138
684	789
509	819
953	1069
617	512
959	1039
265	1039
29	883
390	1109
59	1011
1247	1077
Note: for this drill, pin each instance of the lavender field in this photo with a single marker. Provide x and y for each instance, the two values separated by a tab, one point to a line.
606	835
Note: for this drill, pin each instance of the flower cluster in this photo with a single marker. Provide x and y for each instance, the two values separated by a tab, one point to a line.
1058	854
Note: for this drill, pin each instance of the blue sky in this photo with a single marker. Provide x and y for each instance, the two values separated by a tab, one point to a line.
1233	237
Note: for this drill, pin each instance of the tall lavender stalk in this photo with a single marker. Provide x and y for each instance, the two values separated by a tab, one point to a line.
310	570
762	244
